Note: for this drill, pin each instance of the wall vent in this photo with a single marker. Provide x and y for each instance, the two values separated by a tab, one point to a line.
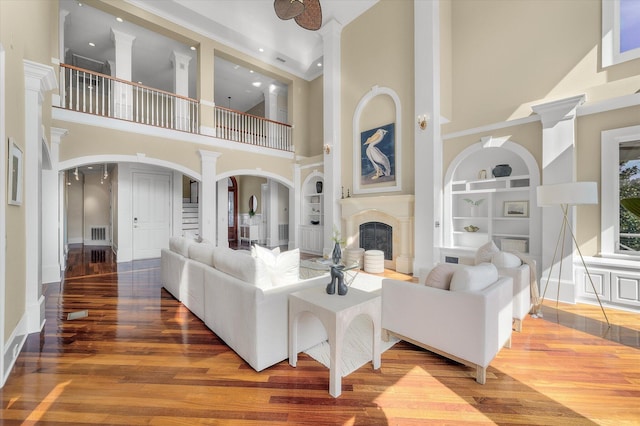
98	233
280	59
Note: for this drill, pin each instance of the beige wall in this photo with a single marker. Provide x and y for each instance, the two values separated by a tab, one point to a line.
377	49
588	159
248	186
315	140
83	140
508	55
25	33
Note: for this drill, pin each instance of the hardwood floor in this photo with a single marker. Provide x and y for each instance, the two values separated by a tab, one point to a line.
140	357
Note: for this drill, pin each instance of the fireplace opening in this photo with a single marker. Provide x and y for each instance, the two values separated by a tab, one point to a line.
377	236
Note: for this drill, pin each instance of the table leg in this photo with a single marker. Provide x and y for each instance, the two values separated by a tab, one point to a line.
335	367
375	359
293	336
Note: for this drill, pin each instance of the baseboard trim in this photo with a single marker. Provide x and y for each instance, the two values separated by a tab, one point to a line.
13	347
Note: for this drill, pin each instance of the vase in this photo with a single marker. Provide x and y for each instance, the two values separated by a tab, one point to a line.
501	170
319	187
336	254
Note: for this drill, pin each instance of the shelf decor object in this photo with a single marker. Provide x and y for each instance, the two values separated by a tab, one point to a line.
566	195
516	208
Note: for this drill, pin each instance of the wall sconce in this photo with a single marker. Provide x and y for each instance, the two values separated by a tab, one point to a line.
75	173
422	121
327	149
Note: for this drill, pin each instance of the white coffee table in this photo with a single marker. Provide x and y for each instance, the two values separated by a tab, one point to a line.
335	312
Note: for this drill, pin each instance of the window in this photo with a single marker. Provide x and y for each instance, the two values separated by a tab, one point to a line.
620	170
629	187
620	31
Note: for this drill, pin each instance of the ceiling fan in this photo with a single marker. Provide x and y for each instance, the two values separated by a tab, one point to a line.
307	13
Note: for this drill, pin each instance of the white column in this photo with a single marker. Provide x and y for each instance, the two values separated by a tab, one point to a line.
428	142
207	195
558	166
223	213
331	119
272	214
52	221
271	113
180	63
123	93
295	203
39	79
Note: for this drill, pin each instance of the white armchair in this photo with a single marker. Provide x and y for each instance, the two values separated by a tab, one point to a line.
469	327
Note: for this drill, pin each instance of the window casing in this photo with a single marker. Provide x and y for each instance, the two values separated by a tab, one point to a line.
620	233
620	31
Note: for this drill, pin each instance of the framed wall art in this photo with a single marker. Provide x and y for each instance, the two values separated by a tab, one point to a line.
516	209
14	177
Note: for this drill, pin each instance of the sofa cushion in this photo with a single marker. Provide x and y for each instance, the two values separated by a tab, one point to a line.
180	245
484	253
245	268
440	276
201	252
474	278
283	268
503	259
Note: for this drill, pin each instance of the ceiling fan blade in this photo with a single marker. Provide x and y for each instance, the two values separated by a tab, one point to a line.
287	9
311	18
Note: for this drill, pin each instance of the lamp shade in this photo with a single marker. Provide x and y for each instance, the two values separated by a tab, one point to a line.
572	193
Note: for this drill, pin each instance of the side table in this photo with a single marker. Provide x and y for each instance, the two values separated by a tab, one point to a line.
336	313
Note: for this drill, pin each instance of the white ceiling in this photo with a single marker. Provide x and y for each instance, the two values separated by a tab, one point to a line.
246	25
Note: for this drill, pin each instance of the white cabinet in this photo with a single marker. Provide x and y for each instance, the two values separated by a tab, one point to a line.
311	239
312	218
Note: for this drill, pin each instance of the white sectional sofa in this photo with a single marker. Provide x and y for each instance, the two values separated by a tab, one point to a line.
233	293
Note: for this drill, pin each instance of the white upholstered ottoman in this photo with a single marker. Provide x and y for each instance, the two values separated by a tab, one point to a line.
353	255
374	261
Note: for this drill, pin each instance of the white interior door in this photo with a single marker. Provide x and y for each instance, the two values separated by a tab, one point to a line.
151	214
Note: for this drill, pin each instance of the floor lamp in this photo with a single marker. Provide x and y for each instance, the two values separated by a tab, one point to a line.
566	195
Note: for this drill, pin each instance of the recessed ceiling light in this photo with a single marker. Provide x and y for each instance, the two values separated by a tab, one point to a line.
90	167
119	19
251	71
319	64
192	48
256	84
79	4
92	44
261	50
235	67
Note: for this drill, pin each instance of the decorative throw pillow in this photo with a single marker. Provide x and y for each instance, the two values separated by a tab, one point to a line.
440	276
474	278
245	268
283	268
504	259
484	253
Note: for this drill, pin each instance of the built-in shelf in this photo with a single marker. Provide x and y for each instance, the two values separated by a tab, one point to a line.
312	224
491	204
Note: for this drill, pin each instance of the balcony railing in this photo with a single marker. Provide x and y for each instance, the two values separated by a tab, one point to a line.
103	95
240	127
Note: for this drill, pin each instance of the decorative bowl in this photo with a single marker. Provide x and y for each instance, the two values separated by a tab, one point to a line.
471	228
315	222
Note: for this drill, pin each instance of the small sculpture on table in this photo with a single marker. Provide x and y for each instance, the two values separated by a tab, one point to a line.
337	275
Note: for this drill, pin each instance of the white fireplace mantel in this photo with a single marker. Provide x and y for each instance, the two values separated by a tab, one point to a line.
394	210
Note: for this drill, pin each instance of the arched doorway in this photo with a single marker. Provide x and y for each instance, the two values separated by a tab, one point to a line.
232	209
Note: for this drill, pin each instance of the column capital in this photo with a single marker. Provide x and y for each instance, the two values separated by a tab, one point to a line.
331	28
121	37
551	113
178	58
39	78
57	134
208	155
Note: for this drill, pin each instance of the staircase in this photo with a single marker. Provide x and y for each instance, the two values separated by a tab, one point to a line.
190	223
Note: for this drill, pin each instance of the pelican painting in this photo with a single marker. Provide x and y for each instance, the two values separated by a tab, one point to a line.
377	155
